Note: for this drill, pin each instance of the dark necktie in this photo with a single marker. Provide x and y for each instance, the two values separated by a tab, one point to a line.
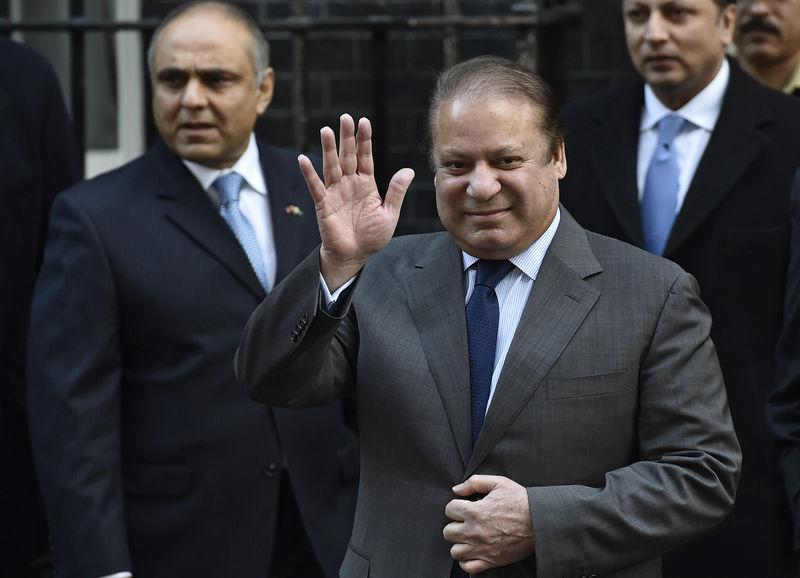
229	186
660	196
483	315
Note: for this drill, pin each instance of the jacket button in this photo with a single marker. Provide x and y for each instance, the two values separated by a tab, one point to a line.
270	470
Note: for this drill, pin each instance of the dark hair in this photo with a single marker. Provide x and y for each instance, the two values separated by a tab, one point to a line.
486	77
259	51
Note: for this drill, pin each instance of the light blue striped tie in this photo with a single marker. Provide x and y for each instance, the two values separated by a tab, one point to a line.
229	186
660	196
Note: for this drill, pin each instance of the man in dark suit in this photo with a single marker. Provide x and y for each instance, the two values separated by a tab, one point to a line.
783	413
727	223
152	461
39	157
566	419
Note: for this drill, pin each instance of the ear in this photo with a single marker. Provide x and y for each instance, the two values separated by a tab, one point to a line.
727	24
560	161
265	90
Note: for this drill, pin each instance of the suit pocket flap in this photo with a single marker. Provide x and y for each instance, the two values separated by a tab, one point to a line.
589	385
156	480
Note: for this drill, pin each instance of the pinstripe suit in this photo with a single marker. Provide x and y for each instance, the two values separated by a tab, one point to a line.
150	457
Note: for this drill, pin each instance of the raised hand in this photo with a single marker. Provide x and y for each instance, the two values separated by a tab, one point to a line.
493	531
354	222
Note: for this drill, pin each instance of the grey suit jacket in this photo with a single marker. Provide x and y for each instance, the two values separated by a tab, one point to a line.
733	235
610	407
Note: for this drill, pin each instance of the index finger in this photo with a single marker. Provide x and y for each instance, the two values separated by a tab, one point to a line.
456	510
315	186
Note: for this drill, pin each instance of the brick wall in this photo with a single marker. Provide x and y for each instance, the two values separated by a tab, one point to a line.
577	58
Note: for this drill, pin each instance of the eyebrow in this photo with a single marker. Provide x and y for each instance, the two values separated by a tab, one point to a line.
500	151
201	72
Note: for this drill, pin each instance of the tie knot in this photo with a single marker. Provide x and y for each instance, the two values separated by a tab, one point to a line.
669	127
490	273
228	186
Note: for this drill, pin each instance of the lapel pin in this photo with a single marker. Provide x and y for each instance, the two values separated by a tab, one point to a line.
293	210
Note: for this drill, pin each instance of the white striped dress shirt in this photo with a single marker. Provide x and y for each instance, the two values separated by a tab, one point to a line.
512	293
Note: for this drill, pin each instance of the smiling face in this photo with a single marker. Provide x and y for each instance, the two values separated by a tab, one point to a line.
205	97
496	175
768	31
677	46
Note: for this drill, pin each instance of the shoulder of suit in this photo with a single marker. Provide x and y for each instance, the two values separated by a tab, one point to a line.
748	94
32	74
406	249
601	102
613	253
111	186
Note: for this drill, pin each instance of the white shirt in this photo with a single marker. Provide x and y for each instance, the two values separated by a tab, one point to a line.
253	200
701	114
512	292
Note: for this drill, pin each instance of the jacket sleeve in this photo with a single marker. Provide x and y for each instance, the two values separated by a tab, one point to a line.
683	480
292	353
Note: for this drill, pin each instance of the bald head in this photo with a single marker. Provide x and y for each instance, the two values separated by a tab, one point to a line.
259	48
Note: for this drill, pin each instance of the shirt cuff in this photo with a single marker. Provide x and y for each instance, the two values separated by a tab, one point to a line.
329	299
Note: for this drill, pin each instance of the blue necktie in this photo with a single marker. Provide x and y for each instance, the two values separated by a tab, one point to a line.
661	187
483	315
229	186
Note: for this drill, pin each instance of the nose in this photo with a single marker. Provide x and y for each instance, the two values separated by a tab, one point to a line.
483	183
193	94
755	7
656	30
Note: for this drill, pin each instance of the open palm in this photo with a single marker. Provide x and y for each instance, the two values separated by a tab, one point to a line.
354	221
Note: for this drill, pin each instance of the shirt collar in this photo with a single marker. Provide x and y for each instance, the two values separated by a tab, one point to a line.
793	85
248	165
530	260
702	111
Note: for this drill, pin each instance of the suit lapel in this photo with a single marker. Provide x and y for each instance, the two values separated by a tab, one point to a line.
734	144
558	303
615	166
435	290
188	208
284	186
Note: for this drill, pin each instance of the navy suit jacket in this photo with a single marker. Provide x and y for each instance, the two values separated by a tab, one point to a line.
150	456
732	234
39	157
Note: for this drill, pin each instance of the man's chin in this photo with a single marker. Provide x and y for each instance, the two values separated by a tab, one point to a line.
761	52
202	154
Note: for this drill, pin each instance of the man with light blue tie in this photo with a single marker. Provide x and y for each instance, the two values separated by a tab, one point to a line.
534	400
152	461
713	196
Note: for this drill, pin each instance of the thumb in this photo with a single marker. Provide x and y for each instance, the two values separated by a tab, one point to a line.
477	484
396	191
